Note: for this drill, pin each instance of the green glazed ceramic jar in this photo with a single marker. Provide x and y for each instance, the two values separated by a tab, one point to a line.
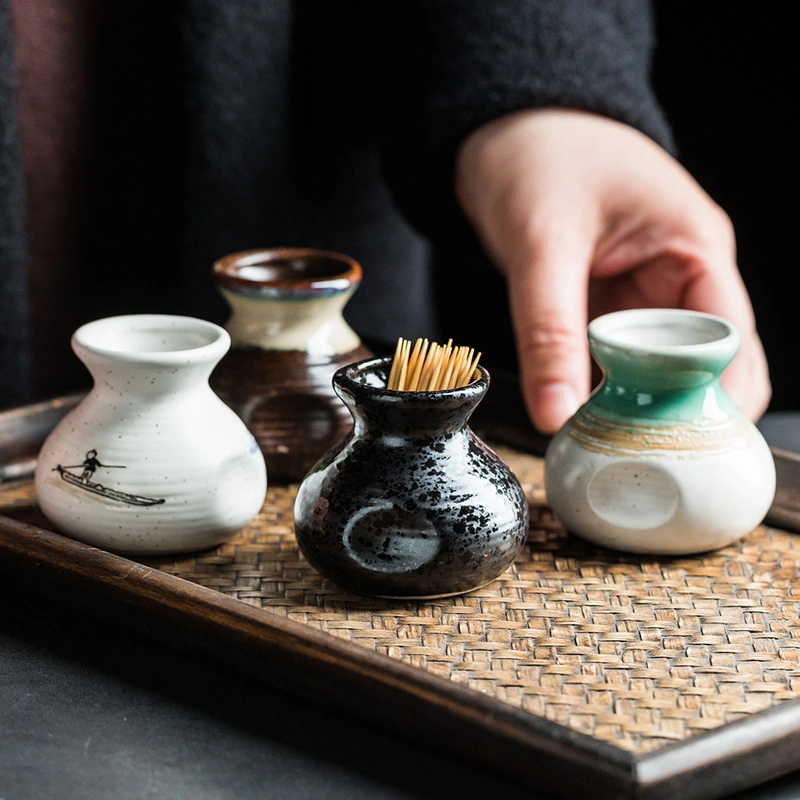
660	459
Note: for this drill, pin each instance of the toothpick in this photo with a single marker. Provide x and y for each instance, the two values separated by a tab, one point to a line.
434	354
431	366
401	378
444	381
461	377
413	381
469	374
443	359
392	382
458	361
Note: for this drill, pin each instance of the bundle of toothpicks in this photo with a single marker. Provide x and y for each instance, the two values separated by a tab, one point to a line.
431	367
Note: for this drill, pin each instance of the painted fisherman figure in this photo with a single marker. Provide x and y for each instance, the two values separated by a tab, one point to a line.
84	481
90	465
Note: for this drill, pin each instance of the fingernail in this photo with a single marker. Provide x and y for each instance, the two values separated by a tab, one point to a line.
555	403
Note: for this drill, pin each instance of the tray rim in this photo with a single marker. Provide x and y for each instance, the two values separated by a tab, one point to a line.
522	745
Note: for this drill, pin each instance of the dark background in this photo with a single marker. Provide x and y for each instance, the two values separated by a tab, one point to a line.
726	79
93	712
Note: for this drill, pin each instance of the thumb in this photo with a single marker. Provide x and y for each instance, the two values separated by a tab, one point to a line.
548	288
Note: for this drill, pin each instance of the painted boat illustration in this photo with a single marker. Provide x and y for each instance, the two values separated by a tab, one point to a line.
82	482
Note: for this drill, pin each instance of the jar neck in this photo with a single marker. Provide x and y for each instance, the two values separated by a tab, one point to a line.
405	420
310	324
149	354
125	377
662	365
705	401
379	411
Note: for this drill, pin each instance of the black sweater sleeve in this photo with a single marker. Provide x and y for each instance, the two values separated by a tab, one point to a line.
13	281
456	64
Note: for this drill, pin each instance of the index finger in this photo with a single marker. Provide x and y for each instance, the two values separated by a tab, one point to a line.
548	289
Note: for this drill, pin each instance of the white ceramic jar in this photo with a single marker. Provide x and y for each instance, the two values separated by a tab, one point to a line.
151	461
659	459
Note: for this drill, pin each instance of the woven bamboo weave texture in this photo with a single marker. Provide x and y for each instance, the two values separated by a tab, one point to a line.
637	651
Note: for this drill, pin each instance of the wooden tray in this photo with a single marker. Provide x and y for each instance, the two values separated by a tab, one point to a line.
580	671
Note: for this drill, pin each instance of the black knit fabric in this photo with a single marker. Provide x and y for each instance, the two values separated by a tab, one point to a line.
459	64
13	306
225	126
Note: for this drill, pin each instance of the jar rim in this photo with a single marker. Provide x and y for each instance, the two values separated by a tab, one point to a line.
295	271
152	338
665	331
348	378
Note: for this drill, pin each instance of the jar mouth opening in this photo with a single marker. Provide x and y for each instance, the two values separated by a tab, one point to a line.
372	374
288	270
664	331
152	337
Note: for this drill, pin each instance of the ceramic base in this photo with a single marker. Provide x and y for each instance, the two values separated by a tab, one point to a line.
432	596
666	502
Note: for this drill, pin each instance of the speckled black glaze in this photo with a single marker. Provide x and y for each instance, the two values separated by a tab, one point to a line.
411	503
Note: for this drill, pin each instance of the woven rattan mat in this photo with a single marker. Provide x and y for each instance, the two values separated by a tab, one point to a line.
636	651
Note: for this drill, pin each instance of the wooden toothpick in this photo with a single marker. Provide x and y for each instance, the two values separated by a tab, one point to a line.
431	367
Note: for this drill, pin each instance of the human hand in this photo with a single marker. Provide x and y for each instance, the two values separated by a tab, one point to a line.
584	216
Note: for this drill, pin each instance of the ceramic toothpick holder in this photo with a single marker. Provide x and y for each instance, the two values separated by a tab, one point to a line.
411	503
151	460
659	459
289	337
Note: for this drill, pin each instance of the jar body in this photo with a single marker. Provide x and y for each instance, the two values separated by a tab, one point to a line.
662	490
659	460
400	512
288	339
286	400
151	461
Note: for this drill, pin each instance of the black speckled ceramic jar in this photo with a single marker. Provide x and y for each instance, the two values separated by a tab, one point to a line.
411	503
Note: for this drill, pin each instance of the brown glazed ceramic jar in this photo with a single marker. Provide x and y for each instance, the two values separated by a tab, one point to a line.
288	338
411	504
